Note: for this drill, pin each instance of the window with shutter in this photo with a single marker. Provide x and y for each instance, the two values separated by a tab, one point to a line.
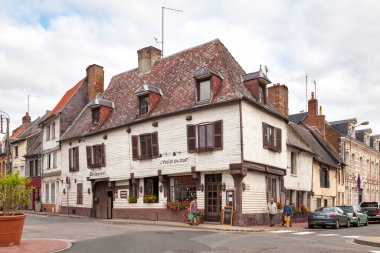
76	159
155	151
191	145
135	147
327	178
102	155
218	135
278	140
79	193
205	136
321	177
146	146
89	156
265	135
71	166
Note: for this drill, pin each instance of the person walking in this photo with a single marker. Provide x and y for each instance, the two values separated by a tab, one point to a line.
287	212
272	209
193	211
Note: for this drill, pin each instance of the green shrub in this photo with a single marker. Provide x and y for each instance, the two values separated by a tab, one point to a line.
14	193
132	199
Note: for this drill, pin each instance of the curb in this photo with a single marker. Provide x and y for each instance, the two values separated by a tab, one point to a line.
368	241
58	215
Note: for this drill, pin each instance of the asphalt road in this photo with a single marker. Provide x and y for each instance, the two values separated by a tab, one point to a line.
89	235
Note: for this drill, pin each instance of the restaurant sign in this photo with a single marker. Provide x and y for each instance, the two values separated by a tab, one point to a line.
173	160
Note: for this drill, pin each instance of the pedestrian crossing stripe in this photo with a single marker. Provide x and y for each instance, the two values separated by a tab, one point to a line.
280	231
353	237
375	251
304	233
327	235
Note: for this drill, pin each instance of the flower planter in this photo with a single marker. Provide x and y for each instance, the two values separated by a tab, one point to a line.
11	229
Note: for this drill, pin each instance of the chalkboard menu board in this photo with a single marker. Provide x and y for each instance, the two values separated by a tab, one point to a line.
227	215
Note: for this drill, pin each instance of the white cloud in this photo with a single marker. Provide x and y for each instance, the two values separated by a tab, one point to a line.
46	46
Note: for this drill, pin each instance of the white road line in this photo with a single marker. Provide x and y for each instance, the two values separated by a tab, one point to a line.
327	235
280	231
303	233
375	251
353	237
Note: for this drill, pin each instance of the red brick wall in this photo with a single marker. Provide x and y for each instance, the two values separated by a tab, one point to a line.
216	83
95	80
104	114
333	137
253	87
278	97
48	207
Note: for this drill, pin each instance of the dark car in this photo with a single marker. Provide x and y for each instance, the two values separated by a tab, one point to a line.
356	215
328	216
372	210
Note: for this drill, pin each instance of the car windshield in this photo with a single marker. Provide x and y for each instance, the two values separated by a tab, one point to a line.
369	204
347	209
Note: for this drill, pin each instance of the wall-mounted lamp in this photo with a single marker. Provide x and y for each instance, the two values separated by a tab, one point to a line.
64	191
202	187
188	118
224	187
75	180
243	186
128	130
160	155
161	188
141	189
174	154
88	190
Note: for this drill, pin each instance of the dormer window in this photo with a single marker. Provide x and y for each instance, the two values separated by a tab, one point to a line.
96	115
144	105
261	94
204	90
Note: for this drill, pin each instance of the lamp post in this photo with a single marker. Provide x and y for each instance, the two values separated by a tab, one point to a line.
364	123
4	115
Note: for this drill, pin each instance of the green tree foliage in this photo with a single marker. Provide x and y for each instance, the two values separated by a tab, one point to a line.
14	193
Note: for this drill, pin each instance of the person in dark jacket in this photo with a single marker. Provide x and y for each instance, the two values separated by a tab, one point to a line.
288	213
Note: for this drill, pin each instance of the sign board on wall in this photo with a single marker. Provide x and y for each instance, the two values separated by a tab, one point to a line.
173	160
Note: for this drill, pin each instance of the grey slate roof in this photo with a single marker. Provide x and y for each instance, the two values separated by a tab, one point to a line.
257	75
324	153
297	118
34	146
146	88
295	140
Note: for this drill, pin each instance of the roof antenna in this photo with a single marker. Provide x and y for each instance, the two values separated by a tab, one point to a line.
315	89
29	96
266	70
162	28
306	91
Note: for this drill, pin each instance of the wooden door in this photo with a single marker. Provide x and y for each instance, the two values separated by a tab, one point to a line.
101	203
213	197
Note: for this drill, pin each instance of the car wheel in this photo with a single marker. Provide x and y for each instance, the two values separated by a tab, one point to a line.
348	223
366	223
337	224
311	226
358	223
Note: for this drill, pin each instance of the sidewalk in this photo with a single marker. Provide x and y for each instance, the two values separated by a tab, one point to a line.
204	226
368	241
38	246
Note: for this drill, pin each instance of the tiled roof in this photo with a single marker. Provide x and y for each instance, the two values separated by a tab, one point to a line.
65	99
34	146
174	76
16	132
297	118
323	153
343	121
295	140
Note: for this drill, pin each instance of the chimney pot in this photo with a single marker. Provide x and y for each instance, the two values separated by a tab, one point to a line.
147	57
278	97
26	120
95	80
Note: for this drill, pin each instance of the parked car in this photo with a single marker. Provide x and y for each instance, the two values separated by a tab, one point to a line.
372	209
328	216
356	215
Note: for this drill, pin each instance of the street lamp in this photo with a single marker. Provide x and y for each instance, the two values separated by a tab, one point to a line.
364	123
4	115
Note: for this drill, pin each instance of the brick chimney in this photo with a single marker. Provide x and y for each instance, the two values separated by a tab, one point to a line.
278	97
315	119
147	57
26	120
95	80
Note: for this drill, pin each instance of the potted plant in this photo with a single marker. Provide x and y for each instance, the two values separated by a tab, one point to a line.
132	199
14	194
150	198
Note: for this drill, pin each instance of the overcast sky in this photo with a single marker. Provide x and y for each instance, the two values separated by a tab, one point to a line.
45	46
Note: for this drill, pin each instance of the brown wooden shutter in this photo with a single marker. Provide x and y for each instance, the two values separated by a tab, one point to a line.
218	134
135	147
80	194
71	160
191	145
102	155
76	167
154	139
278	140
89	156
269	188
265	135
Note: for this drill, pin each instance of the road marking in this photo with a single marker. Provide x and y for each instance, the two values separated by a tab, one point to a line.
375	251
280	231
304	233
353	237
327	235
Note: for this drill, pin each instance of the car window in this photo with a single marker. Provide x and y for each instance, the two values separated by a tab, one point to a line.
347	209
339	210
328	210
358	210
368	204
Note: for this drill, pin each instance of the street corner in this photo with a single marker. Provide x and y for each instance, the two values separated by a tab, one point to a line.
38	246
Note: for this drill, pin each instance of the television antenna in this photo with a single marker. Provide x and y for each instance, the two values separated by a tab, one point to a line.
30	96
162	28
